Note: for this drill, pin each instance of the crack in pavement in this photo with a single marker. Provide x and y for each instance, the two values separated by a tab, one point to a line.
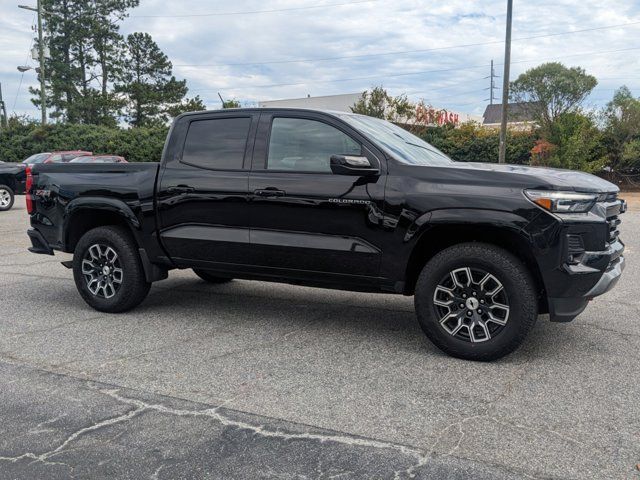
420	457
140	406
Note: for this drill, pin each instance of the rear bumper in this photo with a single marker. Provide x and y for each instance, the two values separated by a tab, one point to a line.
38	242
563	309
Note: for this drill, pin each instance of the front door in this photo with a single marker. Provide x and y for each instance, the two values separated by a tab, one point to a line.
203	192
304	219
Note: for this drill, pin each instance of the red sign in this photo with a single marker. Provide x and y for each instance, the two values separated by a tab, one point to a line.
430	116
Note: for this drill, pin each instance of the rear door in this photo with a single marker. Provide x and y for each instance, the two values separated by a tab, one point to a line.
203	190
304	218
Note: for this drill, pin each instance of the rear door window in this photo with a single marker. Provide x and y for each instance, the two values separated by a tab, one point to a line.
217	143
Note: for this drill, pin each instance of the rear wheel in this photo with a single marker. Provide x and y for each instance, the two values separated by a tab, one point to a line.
107	270
211	278
476	301
7	197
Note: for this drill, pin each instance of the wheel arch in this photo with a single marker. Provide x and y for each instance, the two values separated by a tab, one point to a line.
86	214
441	235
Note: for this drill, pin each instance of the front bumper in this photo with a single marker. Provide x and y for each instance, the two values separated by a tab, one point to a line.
563	309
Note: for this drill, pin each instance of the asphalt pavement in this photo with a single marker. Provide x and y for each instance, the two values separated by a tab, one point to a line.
259	380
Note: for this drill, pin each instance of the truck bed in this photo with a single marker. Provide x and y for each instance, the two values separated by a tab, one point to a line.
62	191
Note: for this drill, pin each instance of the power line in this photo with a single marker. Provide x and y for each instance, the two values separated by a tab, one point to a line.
374	77
404	52
252	12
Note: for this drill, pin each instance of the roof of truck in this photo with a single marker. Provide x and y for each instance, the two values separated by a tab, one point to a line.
271	109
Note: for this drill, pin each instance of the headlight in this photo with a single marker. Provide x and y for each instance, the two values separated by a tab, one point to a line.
562	202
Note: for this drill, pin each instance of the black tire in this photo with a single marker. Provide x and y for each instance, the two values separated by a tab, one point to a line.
494	341
7	198
211	278
132	287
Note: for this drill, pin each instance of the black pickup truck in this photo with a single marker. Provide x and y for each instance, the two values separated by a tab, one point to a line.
341	201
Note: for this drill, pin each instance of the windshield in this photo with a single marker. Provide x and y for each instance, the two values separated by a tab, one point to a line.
399	143
37	158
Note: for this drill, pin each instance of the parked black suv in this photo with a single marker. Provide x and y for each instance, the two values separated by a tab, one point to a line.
341	201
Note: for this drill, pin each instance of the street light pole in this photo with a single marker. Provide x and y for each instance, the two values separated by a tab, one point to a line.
505	86
43	93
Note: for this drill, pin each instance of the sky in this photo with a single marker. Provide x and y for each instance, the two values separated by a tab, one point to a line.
435	50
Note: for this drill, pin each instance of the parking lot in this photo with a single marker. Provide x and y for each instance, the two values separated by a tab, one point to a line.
259	380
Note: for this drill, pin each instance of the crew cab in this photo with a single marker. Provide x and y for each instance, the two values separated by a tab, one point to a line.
337	200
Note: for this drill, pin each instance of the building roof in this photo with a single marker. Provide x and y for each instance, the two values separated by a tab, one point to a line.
518	112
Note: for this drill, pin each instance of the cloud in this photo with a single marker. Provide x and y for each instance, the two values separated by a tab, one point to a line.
203	48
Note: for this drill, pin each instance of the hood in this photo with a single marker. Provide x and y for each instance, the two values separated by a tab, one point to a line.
540	177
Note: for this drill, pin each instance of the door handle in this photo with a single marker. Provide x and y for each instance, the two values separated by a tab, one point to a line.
180	189
269	192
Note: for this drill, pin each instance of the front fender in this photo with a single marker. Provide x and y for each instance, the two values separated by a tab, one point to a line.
472	216
437	229
468	217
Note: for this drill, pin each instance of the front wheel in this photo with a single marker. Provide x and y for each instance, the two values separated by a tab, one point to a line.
476	301
7	197
108	271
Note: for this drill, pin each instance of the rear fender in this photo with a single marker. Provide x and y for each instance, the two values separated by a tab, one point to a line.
83	205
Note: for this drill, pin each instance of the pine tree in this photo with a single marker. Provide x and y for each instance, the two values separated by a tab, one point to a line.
153	94
85	47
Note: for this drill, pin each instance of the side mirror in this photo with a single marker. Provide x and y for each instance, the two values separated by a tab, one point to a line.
350	165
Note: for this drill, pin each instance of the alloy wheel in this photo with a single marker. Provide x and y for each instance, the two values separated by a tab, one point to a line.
5	198
471	304
102	271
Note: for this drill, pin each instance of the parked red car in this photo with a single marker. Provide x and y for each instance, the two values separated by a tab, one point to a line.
55	157
99	159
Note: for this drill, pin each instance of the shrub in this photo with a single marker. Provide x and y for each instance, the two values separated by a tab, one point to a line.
22	139
471	142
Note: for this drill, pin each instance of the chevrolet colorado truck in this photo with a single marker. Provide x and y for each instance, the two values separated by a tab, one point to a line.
337	200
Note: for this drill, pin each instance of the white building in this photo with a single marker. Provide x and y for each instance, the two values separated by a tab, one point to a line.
340	103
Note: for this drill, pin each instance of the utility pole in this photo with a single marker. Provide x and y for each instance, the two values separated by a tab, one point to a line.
3	111
492	84
43	93
505	85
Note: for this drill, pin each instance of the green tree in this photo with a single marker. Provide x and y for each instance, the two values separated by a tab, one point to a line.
108	45
578	144
551	90
194	104
151	91
378	103
622	130
84	41
233	103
